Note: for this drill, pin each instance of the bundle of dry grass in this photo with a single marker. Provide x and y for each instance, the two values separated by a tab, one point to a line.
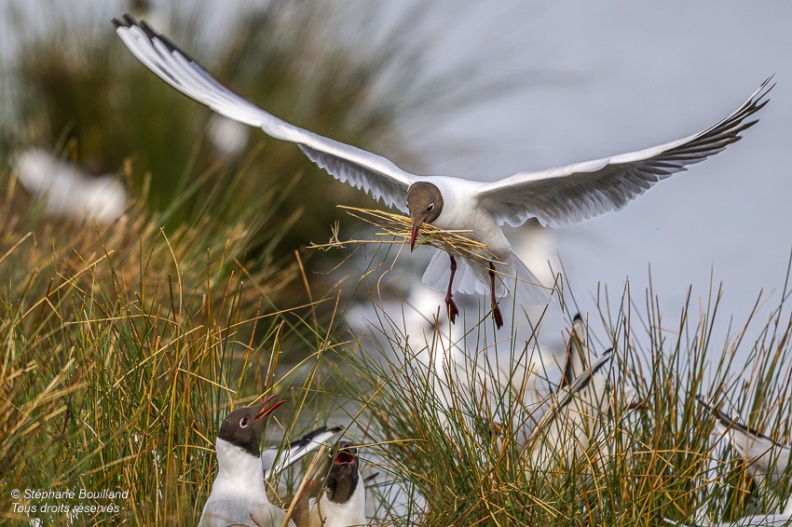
400	229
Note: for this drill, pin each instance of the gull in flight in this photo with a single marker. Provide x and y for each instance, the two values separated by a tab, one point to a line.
555	197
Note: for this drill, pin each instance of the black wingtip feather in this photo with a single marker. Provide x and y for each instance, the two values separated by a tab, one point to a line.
589	375
126	21
728	421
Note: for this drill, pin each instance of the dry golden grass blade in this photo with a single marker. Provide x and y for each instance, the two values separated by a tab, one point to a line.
400	227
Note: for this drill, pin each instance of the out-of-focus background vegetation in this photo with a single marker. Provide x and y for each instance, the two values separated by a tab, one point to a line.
90	102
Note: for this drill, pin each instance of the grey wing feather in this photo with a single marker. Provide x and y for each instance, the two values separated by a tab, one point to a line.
274	464
576	192
564	399
764	455
584	379
372	173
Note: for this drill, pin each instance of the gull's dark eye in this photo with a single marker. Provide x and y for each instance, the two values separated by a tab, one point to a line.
243	422
430	207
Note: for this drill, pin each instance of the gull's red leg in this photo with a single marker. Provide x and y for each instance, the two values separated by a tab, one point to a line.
453	310
496	312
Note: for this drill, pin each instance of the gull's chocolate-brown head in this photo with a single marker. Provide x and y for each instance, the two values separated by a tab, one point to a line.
242	427
425	203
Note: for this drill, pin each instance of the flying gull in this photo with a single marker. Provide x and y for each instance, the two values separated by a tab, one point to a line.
555	197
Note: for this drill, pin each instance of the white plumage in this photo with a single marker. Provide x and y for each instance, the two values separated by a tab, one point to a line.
239	496
765	460
573	422
66	190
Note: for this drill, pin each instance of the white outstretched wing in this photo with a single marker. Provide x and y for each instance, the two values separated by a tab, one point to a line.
560	196
372	173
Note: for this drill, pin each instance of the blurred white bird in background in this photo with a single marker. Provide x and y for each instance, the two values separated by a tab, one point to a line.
574	420
67	190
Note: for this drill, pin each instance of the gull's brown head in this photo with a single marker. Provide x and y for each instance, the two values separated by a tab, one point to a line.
425	203
243	426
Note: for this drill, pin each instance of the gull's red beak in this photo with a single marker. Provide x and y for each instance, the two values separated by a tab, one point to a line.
416	226
265	410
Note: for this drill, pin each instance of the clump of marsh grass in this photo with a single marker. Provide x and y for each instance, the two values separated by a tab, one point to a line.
124	345
428	407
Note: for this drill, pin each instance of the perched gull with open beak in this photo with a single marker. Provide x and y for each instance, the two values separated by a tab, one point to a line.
238	495
555	197
342	498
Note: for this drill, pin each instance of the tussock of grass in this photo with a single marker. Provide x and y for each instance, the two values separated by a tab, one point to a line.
124	346
430	417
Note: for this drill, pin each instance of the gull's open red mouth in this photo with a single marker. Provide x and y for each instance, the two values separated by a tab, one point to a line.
344	458
265	410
